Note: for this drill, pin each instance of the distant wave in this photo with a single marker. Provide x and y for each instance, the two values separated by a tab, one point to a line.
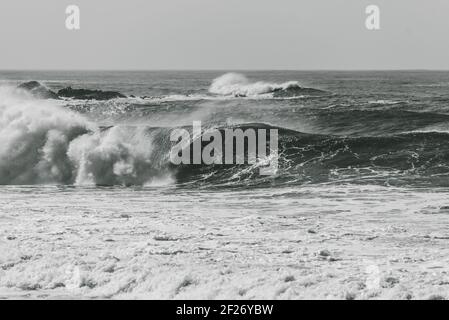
237	85
226	87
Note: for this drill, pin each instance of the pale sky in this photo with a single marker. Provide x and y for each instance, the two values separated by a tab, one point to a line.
224	34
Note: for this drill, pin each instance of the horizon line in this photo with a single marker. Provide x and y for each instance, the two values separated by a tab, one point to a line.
221	70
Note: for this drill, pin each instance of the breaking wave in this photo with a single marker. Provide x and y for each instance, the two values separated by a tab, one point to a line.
42	143
237	85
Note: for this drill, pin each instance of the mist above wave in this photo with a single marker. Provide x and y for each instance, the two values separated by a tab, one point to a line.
42	143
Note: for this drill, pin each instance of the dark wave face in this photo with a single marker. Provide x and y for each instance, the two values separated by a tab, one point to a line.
384	128
413	159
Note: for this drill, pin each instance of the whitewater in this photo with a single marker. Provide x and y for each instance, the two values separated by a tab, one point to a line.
43	143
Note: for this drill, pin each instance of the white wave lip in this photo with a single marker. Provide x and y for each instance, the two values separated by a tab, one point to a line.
237	85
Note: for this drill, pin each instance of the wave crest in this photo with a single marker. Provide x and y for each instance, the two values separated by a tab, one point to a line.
237	85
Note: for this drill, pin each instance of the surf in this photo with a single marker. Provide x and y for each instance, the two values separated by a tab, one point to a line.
237	85
44	143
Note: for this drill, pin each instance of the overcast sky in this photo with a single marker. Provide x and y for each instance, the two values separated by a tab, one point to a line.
224	34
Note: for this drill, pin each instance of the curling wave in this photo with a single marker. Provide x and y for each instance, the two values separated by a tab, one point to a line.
417	159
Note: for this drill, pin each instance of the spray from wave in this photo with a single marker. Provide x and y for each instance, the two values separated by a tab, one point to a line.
42	143
121	156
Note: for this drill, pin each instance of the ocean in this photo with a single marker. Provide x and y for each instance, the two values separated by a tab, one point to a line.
92	207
